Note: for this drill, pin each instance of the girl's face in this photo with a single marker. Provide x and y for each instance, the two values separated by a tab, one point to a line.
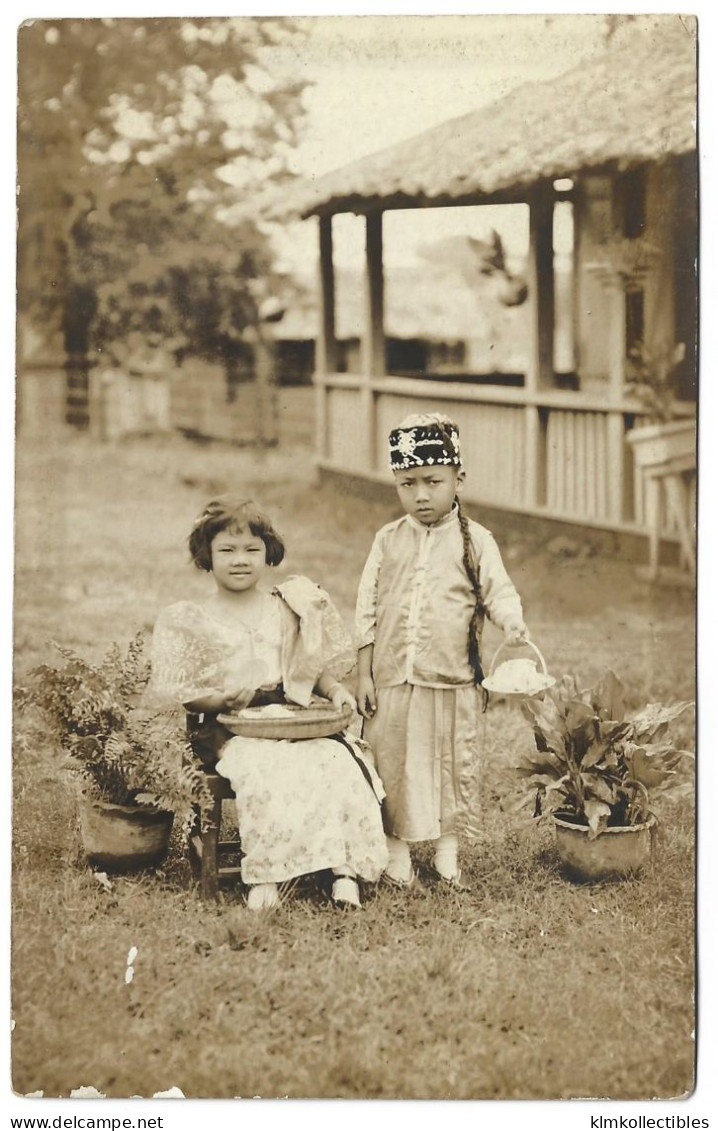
427	493
238	560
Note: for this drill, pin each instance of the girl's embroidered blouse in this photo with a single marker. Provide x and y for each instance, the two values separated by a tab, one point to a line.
415	601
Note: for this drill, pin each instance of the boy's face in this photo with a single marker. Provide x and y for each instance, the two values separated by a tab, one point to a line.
427	493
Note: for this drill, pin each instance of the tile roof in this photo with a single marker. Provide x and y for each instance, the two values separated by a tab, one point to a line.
633	104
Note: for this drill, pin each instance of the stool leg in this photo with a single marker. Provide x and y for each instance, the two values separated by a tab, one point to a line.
653	519
209	882
195	831
678	500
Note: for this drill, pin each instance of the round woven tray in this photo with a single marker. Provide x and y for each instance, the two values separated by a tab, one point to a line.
316	721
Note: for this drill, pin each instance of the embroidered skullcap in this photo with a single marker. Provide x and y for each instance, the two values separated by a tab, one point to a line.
422	439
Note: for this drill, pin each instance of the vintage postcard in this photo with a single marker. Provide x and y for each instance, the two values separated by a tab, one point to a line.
355	561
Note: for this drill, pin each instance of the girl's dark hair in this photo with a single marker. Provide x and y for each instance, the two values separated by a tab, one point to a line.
229	512
472	570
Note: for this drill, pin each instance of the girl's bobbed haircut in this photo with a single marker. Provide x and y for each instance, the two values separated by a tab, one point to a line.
229	512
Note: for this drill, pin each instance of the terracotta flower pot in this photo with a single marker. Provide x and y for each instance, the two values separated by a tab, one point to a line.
614	852
124	838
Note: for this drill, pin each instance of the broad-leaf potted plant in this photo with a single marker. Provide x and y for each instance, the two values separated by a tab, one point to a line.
596	771
653	378
135	768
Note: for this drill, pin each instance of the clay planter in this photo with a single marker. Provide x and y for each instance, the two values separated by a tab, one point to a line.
615	852
655	444
124	838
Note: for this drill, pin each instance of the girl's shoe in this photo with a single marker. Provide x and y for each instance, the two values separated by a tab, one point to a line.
345	892
262	896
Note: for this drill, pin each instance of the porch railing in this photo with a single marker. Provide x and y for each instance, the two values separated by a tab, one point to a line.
560	455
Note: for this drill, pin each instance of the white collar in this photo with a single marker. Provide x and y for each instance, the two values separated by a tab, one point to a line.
448	519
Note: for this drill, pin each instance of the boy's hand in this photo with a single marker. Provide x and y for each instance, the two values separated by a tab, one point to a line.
340	697
366	696
516	631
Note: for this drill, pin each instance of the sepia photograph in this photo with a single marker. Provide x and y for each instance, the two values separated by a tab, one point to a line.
354	623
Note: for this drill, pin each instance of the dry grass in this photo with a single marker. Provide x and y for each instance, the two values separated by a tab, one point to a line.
527	986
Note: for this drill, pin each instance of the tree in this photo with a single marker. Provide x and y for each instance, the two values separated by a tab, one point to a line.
135	140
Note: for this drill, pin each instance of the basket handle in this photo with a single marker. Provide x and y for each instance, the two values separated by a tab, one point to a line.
528	644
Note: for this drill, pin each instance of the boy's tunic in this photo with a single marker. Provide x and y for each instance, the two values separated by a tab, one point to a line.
415	605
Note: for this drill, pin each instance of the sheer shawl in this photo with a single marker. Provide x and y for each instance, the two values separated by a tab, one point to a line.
194	654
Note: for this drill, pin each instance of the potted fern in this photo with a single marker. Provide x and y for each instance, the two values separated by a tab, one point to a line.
134	765
596	771
653	379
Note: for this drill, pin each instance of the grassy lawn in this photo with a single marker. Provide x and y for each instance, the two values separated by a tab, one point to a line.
527	986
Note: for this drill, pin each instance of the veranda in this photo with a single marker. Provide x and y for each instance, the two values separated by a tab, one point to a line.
621	153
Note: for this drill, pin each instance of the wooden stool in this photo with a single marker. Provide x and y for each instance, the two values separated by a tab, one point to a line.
204	845
206	737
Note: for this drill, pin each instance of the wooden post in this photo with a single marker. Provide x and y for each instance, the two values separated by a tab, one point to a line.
615	423
536	448
539	369
616	330
267	415
373	360
540	373
373	346
576	258
326	354
326	358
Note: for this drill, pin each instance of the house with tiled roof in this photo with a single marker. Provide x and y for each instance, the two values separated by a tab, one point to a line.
613	141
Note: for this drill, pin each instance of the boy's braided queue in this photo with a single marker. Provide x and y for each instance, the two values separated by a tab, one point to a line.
473	575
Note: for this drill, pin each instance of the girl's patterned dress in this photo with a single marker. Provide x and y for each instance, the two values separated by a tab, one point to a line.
302	805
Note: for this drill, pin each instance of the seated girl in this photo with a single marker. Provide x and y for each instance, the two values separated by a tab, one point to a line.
302	805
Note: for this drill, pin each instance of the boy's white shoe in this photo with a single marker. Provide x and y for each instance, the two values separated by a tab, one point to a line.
399	870
446	850
455	881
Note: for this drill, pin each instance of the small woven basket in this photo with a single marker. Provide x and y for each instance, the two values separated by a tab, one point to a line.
318	720
543	683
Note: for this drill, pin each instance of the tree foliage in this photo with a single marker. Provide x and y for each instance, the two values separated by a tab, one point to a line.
138	141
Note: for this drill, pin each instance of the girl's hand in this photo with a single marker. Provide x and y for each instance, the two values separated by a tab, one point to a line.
516	631
237	698
340	697
366	696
